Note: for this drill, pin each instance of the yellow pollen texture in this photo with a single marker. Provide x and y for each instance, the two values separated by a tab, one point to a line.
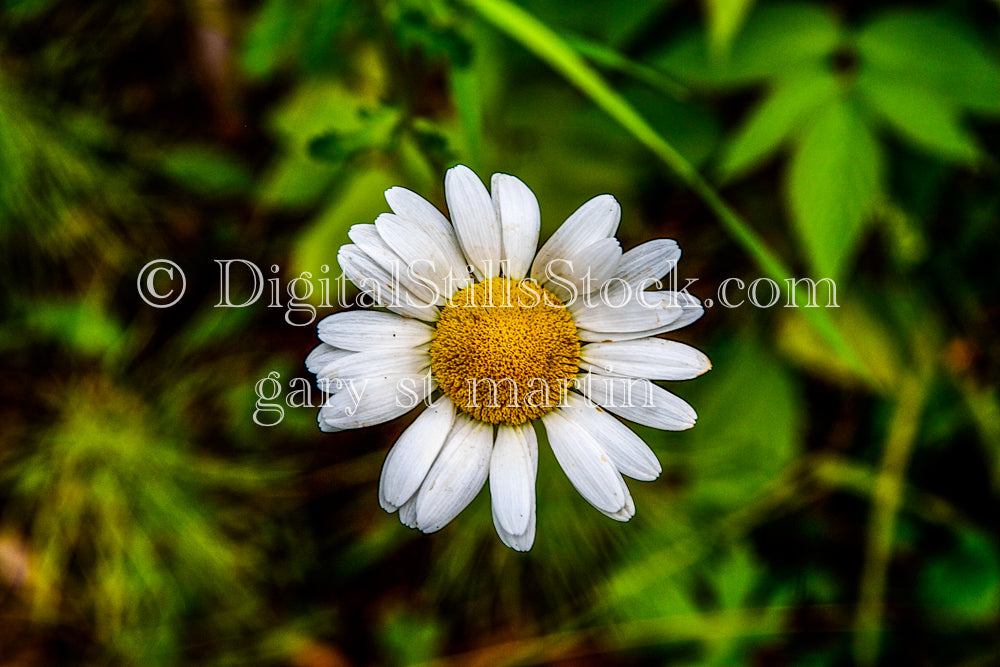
505	351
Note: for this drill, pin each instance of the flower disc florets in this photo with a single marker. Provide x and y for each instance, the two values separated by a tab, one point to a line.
505	351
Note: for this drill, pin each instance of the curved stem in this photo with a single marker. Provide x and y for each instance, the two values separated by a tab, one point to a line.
557	53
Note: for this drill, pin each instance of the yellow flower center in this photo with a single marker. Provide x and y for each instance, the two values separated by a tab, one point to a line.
505	351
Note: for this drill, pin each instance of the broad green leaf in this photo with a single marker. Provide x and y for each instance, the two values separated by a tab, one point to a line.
776	40
790	101
933	51
834	183
921	116
725	17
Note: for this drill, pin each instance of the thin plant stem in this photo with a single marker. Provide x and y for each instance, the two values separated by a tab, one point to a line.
554	50
886	500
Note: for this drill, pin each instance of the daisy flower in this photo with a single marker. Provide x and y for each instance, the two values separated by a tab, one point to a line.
493	338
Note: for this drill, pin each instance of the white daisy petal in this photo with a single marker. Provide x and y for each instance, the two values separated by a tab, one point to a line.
376	364
368	239
431	259
630	454
625	513
457	475
512	477
651	358
595	220
691	310
411	206
367	329
522	542
644	265
371	278
411	457
583	272
584	462
322	355
408	512
366	402
652	310
324	426
475	220
639	401
520	221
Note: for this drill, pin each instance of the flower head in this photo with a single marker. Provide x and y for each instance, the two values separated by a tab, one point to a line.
493	338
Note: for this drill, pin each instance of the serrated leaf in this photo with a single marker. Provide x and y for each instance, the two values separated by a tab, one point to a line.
789	103
776	40
933	51
920	116
833	185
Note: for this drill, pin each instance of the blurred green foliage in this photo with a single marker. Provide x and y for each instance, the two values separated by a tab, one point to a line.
837	502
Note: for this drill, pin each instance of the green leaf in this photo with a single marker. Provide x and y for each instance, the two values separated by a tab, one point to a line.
789	103
83	327
777	39
378	127
593	19
725	18
870	335
920	116
285	33
207	171
834	183
749	429
409	638
964	585
267	42
360	200
933	51
316	107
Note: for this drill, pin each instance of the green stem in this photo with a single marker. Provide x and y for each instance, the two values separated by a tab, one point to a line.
886	498
554	50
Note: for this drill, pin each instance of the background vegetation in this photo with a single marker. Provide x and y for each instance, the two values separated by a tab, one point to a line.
837	502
